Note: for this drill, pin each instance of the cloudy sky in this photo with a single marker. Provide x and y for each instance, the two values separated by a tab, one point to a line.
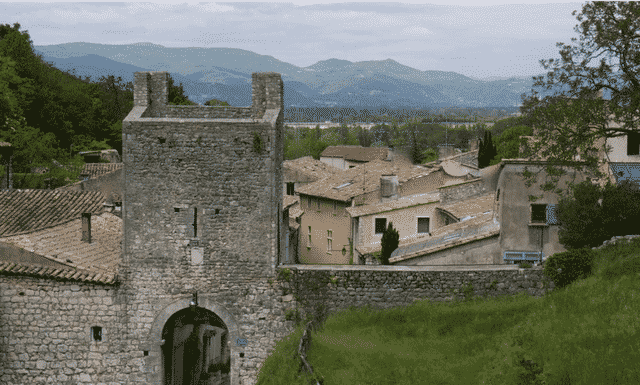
478	39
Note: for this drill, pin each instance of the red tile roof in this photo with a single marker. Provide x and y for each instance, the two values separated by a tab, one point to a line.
11	268
97	169
28	210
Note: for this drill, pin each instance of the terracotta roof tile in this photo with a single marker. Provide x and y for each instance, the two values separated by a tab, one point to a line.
307	169
97	169
397	204
28	210
47	272
63	243
353	179
356	153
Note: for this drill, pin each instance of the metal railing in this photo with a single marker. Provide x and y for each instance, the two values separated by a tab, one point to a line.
519	256
460	234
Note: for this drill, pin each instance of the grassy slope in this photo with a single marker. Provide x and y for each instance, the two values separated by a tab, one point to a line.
586	333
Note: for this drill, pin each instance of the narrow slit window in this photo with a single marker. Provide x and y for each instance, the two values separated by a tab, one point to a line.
195	222
96	333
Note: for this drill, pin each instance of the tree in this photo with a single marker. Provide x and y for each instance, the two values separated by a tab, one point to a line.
573	119
176	94
390	242
595	214
215	102
486	150
509	142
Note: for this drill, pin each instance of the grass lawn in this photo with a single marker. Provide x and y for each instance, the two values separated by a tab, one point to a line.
585	333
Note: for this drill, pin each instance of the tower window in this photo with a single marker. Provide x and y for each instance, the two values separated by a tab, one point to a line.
96	333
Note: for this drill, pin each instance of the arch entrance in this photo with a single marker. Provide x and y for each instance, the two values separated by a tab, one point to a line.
195	349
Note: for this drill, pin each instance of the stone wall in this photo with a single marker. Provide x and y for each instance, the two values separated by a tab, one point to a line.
389	286
45	333
463	190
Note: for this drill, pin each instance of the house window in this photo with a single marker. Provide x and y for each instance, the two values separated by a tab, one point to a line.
290	188
96	333
329	244
329	233
633	143
538	213
381	225
309	234
423	225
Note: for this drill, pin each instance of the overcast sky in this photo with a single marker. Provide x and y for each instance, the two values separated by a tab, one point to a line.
477	39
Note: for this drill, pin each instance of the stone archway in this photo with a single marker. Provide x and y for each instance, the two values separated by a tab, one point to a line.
211	325
195	349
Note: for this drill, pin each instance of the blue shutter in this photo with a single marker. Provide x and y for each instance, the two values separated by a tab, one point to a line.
552	215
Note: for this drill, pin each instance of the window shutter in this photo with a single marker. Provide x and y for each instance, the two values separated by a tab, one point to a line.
552	215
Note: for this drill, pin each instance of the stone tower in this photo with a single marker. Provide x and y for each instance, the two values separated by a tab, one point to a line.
203	233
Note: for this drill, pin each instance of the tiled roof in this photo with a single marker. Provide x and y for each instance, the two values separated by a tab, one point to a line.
289	200
11	253
28	210
479	227
400	203
96	169
56	273
356	153
353	179
307	169
63	244
471	207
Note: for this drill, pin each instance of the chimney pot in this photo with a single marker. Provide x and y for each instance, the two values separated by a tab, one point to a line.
86	227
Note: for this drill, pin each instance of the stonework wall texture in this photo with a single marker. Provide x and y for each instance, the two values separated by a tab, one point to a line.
462	191
387	287
45	333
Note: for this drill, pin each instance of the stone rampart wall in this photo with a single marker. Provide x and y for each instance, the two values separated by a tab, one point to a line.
384	287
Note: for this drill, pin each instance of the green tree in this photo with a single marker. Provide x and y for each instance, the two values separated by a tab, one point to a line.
390	242
176	94
606	57
594	214
509	142
486	150
215	102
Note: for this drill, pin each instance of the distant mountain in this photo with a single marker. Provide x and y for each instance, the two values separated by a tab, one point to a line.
225	74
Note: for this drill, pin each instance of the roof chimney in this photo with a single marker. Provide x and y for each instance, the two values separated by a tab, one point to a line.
86	227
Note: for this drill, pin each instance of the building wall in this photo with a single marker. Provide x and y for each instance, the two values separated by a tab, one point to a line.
462	190
45	333
321	219
109	184
404	220
619	150
175	165
422	184
481	252
515	210
335	162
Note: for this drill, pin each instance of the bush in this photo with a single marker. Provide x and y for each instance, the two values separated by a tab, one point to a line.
566	267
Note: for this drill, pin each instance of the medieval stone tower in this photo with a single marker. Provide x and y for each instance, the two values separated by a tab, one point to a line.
203	233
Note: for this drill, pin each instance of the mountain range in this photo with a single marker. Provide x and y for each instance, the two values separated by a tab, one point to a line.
225	74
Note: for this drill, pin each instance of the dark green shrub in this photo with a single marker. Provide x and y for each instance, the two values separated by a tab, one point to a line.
524	265
567	267
390	242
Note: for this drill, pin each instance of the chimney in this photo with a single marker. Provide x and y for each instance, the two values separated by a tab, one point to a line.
473	143
390	156
600	93
388	187
86	227
6	153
